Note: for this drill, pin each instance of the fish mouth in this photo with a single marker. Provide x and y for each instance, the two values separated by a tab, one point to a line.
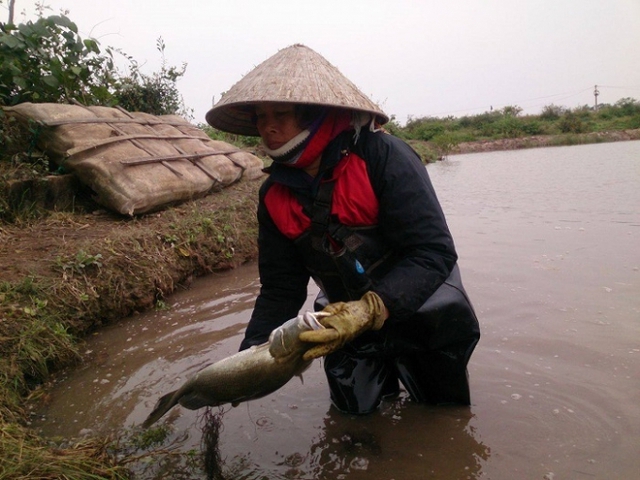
311	319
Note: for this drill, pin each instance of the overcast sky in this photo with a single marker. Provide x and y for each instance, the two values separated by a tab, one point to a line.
414	58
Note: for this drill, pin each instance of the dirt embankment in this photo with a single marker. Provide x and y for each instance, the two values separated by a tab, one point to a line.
215	232
65	275
545	141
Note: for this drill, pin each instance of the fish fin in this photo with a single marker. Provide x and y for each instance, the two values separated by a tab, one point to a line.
195	400
165	403
303	368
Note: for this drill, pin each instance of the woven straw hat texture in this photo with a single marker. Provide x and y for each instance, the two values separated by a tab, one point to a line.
295	74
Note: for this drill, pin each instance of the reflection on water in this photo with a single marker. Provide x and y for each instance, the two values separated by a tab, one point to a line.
443	444
548	242
401	440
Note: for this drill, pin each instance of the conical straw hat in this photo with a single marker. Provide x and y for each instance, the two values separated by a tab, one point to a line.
295	74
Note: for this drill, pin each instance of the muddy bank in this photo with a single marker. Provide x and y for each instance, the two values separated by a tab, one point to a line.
193	238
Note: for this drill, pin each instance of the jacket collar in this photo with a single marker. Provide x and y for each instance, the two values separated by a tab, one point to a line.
298	179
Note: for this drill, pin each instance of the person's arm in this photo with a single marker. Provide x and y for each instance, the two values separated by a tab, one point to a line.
412	221
283	281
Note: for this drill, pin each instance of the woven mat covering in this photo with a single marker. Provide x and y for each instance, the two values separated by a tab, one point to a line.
135	162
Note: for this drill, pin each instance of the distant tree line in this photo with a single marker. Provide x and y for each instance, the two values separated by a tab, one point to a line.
509	123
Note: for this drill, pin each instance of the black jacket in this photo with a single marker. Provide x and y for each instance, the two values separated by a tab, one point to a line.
409	218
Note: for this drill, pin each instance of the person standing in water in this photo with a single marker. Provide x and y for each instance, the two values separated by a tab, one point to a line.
352	207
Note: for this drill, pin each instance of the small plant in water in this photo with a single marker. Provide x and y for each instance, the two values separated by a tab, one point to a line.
156	453
150	437
161	305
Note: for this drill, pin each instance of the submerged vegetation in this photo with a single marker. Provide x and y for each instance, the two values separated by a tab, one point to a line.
87	268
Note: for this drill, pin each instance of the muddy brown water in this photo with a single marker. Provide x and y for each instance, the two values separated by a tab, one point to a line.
549	243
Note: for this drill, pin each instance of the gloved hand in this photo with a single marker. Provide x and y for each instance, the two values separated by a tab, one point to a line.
346	320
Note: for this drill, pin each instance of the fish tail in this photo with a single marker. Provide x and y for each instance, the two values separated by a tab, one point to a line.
165	403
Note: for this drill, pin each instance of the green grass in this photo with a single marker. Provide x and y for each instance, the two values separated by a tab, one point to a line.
442	135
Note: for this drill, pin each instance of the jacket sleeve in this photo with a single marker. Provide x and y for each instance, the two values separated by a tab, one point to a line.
412	221
283	280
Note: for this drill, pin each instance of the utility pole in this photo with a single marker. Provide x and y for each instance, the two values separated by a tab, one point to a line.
595	94
12	4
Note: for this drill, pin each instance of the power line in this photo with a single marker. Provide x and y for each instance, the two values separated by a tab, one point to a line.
637	87
570	94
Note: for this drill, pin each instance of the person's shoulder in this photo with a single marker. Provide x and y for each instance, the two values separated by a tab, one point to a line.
266	185
379	137
383	143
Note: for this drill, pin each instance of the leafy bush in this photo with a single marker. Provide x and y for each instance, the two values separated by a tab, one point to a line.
552	112
47	61
571	123
511	111
634	122
627	107
394	128
445	142
425	150
531	127
507	127
481	124
584	112
607	112
424	128
242	141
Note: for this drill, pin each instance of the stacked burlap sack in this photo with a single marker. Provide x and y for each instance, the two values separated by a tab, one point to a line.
135	162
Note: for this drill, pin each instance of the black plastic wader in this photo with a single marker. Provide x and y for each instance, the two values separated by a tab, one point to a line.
427	353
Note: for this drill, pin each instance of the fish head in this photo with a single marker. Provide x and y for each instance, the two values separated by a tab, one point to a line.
284	341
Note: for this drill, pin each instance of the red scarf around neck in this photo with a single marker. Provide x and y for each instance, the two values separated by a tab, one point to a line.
336	122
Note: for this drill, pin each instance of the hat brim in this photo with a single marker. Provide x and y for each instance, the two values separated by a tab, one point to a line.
238	118
295	75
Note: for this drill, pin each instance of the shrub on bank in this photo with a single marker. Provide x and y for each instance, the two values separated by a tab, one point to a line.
47	61
508	123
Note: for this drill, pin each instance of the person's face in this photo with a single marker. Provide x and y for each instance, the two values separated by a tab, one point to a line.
276	123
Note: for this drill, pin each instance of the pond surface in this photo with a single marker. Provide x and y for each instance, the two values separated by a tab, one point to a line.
549	244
